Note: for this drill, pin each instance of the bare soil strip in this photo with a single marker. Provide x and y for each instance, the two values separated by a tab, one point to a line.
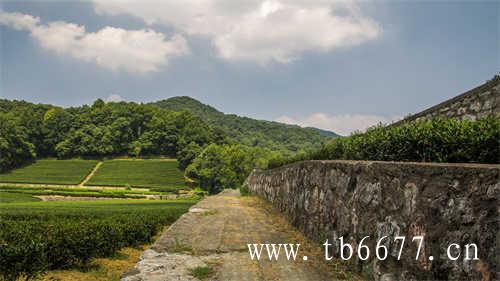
89	176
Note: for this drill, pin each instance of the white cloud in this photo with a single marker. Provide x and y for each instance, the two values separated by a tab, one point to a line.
19	21
117	49
257	30
341	124
113	98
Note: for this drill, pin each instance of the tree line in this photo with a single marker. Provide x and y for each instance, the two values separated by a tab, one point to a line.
216	154
29	131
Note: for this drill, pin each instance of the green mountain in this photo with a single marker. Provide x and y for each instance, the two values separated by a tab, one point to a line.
276	136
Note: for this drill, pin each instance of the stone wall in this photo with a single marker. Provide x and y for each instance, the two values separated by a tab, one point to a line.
477	103
445	203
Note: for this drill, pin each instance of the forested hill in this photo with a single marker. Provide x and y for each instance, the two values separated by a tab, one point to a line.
214	149
251	132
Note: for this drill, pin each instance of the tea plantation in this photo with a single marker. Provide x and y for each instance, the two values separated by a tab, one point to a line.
75	192
7	197
153	173
39	236
51	171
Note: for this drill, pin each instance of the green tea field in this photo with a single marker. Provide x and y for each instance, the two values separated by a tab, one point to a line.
74	192
40	236
51	171
12	197
157	174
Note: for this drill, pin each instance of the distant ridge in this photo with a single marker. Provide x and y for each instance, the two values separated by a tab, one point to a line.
252	132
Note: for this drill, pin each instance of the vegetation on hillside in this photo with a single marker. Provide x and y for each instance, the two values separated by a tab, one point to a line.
77	192
38	236
222	166
286	139
437	140
139	173
51	171
187	131
30	130
7	197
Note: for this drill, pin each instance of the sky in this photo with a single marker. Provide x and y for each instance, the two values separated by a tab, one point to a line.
335	65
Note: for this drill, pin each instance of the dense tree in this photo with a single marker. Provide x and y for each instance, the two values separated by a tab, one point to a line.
187	154
218	153
57	123
101	130
224	166
218	150
282	138
15	149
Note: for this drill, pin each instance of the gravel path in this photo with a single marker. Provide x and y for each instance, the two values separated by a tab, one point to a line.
215	233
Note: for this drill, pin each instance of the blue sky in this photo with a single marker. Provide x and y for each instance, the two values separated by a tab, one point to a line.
335	65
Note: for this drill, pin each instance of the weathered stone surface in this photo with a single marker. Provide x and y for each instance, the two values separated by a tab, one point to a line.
444	203
215	233
480	102
155	266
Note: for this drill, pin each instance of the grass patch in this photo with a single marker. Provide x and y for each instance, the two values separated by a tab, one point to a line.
7	197
202	272
102	269
37	236
162	175
51	171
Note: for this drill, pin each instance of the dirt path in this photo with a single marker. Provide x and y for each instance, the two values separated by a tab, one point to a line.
89	176
215	233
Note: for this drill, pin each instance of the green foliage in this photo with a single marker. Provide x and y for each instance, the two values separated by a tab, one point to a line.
15	149
78	192
101	130
200	192
202	272
49	235
157	173
223	166
7	197
437	140
285	139
179	127
244	190
186	155
51	171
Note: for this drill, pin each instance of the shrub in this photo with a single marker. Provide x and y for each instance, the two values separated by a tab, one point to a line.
244	190
437	140
36	237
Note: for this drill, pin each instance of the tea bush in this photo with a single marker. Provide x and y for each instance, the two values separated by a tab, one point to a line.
437	140
76	192
35	237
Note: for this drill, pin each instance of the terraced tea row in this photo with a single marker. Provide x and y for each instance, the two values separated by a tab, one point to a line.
160	174
36	236
153	173
50	171
76	192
